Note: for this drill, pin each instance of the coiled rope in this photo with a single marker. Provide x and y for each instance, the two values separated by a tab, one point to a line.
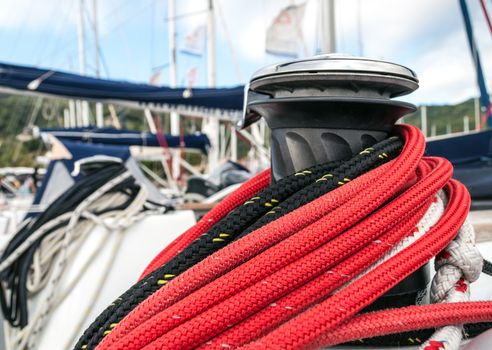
36	264
288	266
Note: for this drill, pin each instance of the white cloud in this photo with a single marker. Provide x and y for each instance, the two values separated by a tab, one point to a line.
446	73
427	36
247	30
18	14
56	16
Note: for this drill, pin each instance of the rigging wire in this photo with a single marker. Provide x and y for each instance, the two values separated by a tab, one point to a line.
185	15
48	25
359	28
73	39
19	34
486	15
153	15
232	51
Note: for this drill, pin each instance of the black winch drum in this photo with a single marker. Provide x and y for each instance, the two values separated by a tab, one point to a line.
330	107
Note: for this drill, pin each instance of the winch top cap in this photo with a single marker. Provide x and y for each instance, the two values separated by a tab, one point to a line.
326	80
336	63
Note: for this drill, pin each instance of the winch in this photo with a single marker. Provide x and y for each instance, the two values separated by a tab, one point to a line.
346	220
327	108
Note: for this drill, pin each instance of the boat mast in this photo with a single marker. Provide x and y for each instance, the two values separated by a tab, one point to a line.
172	42
95	31
81	38
213	157
211	45
173	79
82	107
482	85
327	26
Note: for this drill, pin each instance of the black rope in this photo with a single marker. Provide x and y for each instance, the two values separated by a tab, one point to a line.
13	290
487	267
275	201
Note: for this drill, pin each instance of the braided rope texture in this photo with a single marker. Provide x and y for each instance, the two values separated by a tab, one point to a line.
305	264
458	265
18	256
273	202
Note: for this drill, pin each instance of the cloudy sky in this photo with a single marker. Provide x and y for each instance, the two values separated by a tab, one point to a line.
427	36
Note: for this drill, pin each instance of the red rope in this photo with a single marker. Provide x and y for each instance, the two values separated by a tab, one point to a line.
409	318
345	304
259	240
486	14
273	288
243	193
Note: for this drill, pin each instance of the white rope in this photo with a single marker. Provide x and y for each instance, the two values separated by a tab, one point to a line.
37	323
458	265
460	259
57	251
132	214
430	218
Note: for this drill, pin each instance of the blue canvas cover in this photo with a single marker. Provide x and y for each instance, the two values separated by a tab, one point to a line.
471	155
82	87
112	136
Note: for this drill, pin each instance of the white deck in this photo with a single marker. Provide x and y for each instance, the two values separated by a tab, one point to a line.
140	244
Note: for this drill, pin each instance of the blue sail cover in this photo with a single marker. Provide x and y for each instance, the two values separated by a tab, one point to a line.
59	174
471	155
112	136
29	79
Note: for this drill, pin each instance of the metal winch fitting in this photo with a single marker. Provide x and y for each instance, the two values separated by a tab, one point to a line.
327	107
330	107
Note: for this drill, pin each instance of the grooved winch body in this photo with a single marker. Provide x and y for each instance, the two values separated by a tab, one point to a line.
330	107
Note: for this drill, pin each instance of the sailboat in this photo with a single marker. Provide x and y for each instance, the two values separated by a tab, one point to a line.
103	218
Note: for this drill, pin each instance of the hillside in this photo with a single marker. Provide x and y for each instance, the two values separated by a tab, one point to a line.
442	115
19	113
